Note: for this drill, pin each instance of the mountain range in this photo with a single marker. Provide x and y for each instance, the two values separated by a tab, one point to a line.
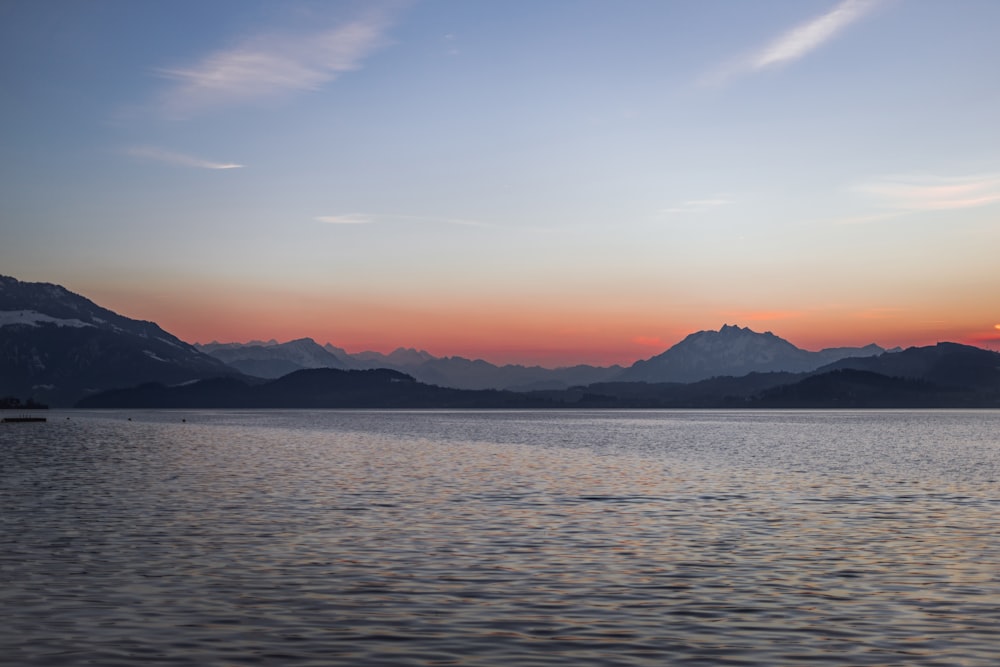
272	360
61	348
730	351
966	377
57	346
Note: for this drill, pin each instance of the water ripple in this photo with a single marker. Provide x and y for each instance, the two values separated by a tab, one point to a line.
368	538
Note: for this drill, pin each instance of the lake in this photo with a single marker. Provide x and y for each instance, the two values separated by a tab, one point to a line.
501	538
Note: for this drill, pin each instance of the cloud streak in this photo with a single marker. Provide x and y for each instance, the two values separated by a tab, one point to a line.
367	218
799	41
868	218
934	193
803	39
352	219
698	205
271	66
177	159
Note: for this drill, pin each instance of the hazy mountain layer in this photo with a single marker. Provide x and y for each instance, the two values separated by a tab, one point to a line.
273	360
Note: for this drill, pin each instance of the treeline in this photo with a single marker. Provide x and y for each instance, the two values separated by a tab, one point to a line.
15	403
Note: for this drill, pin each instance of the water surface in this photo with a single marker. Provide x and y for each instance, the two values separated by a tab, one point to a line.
501	538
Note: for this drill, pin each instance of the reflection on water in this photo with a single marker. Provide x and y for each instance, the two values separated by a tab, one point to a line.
504	538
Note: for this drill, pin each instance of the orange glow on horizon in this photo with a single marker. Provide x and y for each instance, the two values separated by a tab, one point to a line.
546	333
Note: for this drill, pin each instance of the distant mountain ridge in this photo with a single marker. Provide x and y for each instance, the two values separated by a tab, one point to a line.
944	376
56	346
272	360
59	347
730	351
735	351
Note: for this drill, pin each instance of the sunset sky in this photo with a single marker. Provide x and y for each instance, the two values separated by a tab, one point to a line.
534	181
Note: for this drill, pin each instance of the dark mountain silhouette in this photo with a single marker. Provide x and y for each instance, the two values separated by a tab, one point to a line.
965	378
949	365
717	392
384	388
947	375
942	375
57	346
849	388
939	376
312	388
734	351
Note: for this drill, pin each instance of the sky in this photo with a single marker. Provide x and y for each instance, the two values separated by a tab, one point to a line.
551	182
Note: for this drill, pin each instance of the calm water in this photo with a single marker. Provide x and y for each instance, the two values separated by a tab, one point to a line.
501	538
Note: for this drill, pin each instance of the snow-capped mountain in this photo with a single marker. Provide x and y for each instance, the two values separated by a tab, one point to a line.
273	359
734	351
57	346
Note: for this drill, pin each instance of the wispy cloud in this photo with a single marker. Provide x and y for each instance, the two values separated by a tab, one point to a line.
934	193
698	205
366	218
809	36
799	41
269	66
178	159
867	219
352	219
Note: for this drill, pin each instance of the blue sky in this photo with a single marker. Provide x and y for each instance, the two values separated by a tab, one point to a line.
522	181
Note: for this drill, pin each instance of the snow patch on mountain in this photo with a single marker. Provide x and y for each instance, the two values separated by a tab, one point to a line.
51	337
33	318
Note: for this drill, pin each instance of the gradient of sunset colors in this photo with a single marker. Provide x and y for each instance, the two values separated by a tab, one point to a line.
548	182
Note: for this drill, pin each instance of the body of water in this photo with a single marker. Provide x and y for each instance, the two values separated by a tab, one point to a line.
501	538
